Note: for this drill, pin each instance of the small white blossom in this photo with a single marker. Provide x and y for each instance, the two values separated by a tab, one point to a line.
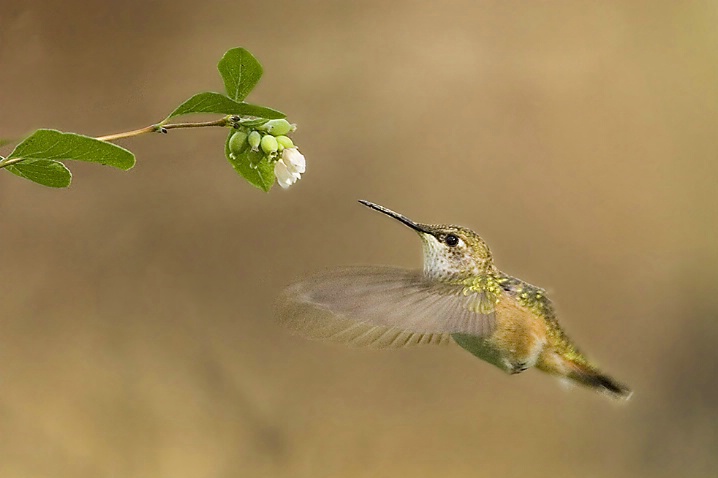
289	168
294	160
284	177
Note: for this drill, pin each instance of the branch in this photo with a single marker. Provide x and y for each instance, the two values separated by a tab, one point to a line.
163	128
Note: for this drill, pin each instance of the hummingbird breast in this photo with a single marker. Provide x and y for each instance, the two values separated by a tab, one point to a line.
521	330
520	334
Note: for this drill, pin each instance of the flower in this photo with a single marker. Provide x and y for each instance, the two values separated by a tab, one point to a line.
289	168
284	177
294	160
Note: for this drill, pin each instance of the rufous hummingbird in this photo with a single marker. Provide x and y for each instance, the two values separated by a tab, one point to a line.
460	296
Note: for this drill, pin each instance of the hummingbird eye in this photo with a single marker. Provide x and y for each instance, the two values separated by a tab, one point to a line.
451	240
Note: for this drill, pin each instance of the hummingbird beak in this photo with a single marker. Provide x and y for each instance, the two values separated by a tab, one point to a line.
417	227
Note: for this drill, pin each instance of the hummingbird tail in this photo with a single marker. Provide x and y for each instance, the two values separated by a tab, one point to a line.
593	378
582	372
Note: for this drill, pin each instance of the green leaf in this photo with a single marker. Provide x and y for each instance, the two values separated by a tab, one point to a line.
209	102
261	175
52	144
43	171
240	72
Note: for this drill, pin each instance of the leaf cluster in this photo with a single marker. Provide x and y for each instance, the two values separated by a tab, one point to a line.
41	156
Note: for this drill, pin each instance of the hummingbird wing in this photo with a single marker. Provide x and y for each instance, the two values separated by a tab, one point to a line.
384	307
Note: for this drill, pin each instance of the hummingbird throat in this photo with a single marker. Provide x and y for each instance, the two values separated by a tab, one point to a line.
443	263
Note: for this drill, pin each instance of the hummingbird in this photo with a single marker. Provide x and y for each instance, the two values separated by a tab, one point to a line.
459	297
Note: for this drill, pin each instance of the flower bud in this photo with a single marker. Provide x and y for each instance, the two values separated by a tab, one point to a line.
276	127
238	143
254	139
285	142
269	144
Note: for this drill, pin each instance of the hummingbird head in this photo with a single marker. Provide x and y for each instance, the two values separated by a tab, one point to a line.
450	252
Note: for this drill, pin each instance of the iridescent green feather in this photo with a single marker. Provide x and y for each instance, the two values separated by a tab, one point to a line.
492	287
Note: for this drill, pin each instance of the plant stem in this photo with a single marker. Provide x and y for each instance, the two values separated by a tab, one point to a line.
9	162
160	127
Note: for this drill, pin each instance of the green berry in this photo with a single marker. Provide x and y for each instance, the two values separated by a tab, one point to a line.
276	127
269	144
238	143
285	142
254	139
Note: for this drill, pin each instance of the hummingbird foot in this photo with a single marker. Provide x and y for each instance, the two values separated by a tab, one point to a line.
516	367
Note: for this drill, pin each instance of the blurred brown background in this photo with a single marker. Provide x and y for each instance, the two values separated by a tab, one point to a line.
579	138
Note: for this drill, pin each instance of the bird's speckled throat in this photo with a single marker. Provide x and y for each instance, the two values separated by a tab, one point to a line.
471	257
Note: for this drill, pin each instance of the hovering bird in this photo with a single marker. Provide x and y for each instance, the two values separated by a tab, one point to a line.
460	296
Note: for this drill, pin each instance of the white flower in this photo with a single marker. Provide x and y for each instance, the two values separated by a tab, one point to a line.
289	168
284	177
294	160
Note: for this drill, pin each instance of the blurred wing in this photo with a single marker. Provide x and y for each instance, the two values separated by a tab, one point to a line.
383	307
